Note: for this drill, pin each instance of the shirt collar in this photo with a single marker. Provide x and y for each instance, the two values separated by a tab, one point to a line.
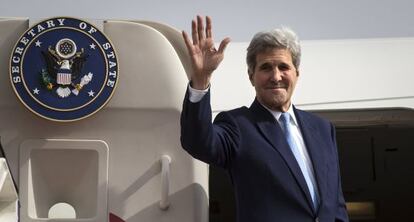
277	114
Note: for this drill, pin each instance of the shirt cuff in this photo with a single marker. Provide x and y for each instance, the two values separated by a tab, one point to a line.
196	95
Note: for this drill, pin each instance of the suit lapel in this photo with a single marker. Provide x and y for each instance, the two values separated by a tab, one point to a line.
273	133
315	144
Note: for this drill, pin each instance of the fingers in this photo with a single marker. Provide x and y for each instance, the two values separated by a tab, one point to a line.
197	29
209	33
199	34
194	32
187	41
223	45
200	26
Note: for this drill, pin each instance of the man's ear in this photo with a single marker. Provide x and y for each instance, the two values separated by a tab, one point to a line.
250	77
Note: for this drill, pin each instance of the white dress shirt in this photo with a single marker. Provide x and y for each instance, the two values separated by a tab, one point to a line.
195	95
304	154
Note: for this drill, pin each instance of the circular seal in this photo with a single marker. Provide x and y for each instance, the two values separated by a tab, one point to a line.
64	69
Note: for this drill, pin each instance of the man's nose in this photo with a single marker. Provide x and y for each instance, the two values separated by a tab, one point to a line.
277	74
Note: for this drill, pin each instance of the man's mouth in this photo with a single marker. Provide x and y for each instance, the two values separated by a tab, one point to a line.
277	87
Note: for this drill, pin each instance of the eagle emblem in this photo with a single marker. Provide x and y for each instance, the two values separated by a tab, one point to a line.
64	66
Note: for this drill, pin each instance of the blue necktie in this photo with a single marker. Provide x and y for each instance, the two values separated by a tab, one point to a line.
287	127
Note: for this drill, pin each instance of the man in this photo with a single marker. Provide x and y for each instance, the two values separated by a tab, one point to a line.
283	162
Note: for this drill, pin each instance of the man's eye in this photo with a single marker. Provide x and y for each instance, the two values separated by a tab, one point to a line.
284	67
265	67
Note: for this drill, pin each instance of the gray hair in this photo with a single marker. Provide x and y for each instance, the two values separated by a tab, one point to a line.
283	38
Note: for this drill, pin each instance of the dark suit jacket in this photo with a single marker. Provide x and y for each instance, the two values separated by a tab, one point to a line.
267	180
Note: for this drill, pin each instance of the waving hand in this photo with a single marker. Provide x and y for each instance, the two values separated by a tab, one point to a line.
205	57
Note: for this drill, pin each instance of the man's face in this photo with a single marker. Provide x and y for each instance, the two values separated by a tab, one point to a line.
274	78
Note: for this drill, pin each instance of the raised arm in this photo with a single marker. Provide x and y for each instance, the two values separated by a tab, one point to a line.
205	58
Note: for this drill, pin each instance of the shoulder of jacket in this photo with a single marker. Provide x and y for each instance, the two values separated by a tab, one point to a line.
312	117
